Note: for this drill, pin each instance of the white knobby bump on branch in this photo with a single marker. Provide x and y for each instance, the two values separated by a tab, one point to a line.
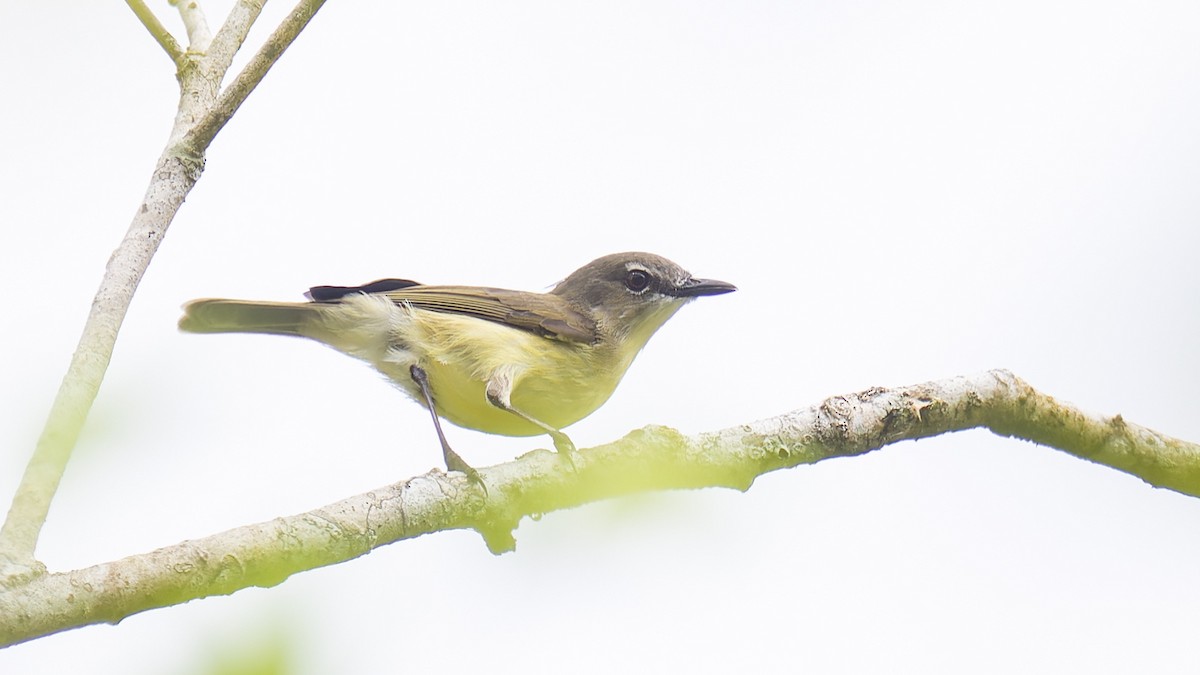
653	458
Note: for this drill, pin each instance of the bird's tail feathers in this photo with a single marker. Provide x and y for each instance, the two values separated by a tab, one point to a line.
246	316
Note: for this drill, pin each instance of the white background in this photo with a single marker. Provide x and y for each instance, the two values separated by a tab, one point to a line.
902	191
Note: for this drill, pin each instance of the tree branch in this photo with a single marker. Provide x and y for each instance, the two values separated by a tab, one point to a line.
654	458
159	31
233	33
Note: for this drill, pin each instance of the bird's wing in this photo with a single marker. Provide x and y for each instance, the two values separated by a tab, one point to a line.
547	315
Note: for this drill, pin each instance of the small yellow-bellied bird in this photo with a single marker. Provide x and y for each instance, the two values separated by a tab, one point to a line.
505	362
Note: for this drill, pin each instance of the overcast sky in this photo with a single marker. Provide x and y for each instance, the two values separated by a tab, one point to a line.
902	191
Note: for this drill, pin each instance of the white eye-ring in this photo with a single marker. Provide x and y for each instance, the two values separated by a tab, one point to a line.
637	280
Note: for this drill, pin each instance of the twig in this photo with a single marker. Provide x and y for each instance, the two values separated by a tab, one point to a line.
233	32
196	23
654	458
159	31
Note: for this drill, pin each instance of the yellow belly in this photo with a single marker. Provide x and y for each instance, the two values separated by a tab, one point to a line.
462	399
556	382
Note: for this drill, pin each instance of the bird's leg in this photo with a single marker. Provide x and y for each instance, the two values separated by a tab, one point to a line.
499	388
453	461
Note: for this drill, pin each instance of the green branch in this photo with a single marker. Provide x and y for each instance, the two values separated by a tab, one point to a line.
159	31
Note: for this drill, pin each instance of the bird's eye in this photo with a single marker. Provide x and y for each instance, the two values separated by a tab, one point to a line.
637	280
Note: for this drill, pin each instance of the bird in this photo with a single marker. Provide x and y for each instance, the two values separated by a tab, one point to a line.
500	361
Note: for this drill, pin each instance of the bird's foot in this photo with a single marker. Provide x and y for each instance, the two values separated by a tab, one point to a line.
564	446
456	463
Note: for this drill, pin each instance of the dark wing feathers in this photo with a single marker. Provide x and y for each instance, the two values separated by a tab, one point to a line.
335	293
547	315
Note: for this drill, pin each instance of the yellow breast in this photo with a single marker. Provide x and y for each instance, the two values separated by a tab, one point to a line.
556	382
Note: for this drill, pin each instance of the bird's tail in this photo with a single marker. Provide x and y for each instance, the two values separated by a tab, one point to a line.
247	316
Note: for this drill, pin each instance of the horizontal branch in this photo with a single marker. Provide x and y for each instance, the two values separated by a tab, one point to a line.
653	458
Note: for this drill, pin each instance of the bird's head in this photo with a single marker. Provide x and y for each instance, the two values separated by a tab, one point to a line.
631	295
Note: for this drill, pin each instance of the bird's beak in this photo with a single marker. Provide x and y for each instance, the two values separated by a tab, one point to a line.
694	288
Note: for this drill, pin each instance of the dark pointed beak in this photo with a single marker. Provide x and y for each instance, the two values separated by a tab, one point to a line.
694	288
